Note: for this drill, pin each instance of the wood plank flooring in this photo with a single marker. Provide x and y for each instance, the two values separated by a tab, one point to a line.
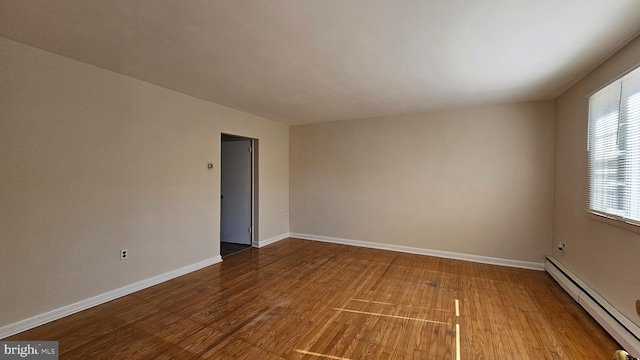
299	299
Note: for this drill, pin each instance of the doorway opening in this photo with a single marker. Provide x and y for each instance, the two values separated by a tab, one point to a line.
238	193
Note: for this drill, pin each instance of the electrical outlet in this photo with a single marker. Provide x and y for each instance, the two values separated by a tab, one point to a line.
286	216
124	254
638	307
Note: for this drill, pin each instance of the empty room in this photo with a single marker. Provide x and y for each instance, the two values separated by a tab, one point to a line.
319	179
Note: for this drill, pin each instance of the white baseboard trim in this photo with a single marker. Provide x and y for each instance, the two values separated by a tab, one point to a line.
420	251
268	241
56	314
615	323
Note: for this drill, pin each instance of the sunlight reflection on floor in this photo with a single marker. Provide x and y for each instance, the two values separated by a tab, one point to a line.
457	325
321	355
392	316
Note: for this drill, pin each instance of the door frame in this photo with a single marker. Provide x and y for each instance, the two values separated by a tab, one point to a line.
254	184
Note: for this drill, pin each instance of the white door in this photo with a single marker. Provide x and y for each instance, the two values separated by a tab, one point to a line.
235	199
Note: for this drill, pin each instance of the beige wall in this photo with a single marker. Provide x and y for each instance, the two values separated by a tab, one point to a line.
602	254
93	161
473	181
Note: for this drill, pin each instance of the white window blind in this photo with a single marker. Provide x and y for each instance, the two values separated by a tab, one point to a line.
614	149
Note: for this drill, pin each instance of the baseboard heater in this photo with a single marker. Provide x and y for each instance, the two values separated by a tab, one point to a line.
625	332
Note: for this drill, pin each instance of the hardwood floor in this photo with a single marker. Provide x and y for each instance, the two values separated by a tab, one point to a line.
299	299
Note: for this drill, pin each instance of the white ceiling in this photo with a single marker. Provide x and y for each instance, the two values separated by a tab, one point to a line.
303	61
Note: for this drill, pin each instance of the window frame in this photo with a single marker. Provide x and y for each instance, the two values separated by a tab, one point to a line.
615	218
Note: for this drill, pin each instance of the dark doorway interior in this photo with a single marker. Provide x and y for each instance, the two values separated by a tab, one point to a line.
229	248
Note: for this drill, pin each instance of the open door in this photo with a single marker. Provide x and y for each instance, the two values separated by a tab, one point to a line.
236	190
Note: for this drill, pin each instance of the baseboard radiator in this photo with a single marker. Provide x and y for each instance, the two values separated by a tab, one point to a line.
625	332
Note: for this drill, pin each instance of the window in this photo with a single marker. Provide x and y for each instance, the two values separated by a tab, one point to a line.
614	149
